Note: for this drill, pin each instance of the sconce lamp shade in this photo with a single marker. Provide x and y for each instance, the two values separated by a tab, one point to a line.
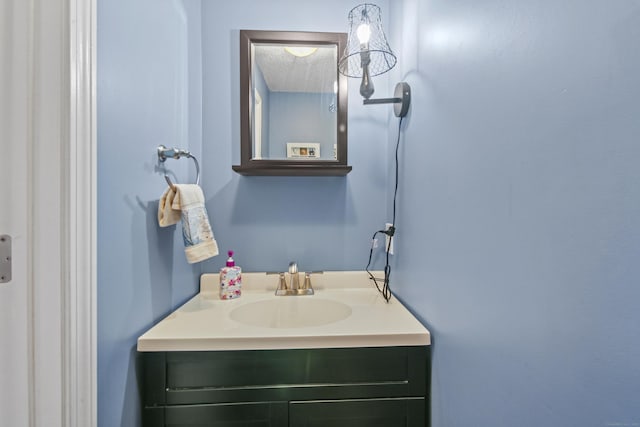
367	46
368	54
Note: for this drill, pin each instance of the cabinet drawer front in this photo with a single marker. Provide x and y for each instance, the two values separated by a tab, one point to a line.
184	378
358	413
269	414
224	369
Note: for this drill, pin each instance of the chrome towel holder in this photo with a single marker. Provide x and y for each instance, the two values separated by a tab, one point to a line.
175	153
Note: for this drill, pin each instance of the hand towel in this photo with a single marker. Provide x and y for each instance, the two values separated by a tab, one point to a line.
187	201
166	214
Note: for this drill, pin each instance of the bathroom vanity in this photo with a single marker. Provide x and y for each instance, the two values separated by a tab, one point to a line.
342	357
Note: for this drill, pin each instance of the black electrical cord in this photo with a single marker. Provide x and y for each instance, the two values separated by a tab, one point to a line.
386	291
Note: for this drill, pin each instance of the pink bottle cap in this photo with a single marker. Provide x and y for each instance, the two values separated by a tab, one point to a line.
230	261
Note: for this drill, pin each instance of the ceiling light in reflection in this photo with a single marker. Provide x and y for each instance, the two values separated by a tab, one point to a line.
300	51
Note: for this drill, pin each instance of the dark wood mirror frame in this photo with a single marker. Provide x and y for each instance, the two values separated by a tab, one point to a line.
250	166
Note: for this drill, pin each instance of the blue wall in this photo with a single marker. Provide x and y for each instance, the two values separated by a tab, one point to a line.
149	84
167	76
519	207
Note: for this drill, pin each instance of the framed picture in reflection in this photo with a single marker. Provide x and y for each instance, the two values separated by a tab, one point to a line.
303	150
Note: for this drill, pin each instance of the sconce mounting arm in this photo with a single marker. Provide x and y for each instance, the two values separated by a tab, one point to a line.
400	101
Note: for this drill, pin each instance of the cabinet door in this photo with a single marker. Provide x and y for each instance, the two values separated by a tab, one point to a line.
268	414
359	413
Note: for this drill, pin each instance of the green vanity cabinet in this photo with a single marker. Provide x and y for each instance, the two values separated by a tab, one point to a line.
358	413
381	386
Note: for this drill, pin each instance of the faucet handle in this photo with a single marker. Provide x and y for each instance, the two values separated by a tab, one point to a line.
282	282
307	279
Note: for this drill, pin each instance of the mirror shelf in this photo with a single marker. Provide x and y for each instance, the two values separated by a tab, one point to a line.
287	169
293	104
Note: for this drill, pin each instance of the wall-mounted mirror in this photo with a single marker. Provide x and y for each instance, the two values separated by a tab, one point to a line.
293	104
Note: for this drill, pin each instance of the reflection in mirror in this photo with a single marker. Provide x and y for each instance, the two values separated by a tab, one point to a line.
294	104
295	101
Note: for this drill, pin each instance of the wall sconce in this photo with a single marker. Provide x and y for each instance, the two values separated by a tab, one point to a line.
368	54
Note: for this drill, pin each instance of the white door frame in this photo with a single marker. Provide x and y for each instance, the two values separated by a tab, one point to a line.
257	134
60	42
63	361
79	306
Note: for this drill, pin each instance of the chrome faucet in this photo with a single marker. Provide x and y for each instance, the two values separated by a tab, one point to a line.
294	287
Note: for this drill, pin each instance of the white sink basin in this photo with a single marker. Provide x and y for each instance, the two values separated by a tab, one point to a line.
291	312
346	311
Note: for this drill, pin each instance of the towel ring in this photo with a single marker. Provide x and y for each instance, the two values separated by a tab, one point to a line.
175	153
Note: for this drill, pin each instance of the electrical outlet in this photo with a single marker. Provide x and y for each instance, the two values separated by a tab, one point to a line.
375	243
387	238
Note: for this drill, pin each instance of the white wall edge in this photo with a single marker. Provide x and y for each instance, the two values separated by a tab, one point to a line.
79	330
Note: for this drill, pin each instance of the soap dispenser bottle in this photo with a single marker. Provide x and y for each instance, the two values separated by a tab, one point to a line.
230	279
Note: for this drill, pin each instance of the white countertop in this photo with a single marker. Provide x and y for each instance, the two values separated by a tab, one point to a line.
205	323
